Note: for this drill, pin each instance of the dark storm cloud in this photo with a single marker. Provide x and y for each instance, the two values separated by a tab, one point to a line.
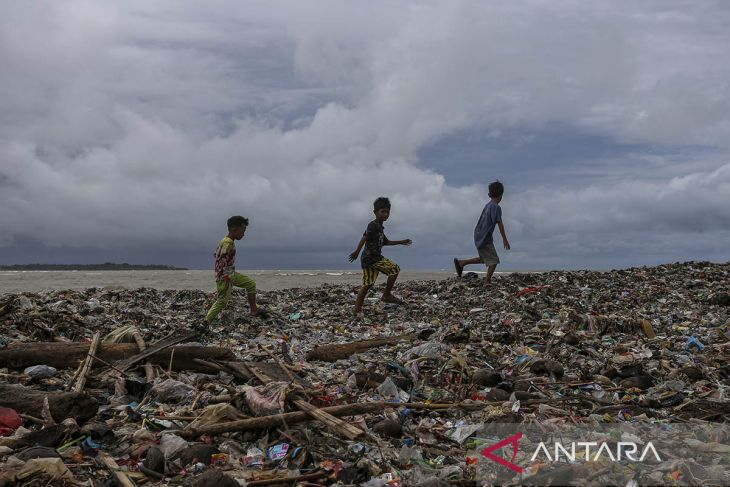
133	130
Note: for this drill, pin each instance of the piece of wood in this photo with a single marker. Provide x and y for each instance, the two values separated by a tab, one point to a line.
81	382
251	370
348	430
67	355
109	365
258	373
279	363
43	327
78	405
74	377
4	309
212	365
32	419
150	473
339	351
169	368
274	372
220	399
119	476
289	480
344	428
647	329
277	419
174	418
166	342
149	371
263	422
337	425
46	413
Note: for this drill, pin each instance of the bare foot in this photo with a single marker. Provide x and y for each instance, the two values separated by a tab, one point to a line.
201	327
389	298
459	268
259	312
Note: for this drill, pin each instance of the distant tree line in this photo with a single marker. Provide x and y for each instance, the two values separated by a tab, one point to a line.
107	266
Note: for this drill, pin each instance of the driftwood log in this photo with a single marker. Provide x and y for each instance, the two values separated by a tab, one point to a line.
339	351
174	338
68	355
119	475
288	419
277	419
79	386
149	372
62	405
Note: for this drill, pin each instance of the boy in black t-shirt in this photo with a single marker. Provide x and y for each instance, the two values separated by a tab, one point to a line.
372	260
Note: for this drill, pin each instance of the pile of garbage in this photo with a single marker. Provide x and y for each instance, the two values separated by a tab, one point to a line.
120	384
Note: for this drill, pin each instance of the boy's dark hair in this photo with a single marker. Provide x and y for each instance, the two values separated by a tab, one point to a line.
496	189
381	202
237	221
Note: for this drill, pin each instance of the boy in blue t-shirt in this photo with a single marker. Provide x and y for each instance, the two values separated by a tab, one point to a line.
491	216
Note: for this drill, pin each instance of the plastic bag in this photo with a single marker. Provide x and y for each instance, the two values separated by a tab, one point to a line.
426	350
171	390
171	444
388	389
216	413
254	458
461	433
266	400
41	371
9	421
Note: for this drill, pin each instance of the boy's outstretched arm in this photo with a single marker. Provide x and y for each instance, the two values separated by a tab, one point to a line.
504	235
398	242
354	255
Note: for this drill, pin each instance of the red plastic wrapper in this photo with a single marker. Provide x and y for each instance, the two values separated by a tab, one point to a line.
9	421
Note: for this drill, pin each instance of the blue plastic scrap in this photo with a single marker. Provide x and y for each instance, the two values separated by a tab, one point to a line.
692	342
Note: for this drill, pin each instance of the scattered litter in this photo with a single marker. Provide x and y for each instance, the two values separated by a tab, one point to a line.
401	395
171	390
9	421
278	452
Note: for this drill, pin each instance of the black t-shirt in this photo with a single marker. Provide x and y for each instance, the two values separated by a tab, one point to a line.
374	245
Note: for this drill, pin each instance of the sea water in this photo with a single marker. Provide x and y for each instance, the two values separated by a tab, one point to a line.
266	280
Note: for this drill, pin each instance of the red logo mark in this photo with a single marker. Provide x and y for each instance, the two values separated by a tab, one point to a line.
512	440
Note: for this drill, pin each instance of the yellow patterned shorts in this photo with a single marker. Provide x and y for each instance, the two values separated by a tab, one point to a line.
386	266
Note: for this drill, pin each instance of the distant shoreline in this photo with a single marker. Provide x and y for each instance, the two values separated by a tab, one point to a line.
108	266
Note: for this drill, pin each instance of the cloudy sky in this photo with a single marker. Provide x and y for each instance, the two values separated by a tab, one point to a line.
130	131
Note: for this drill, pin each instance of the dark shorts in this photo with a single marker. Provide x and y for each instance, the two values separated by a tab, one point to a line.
488	254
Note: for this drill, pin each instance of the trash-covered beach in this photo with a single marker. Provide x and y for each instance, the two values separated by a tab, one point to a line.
117	387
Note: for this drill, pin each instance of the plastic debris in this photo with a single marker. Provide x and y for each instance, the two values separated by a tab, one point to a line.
41	371
9	421
411	394
693	343
171	390
278	452
171	445
266	400
254	457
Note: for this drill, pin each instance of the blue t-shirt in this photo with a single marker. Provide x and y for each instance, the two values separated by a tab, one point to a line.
491	215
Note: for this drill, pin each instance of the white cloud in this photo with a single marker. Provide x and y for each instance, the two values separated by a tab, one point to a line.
146	125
